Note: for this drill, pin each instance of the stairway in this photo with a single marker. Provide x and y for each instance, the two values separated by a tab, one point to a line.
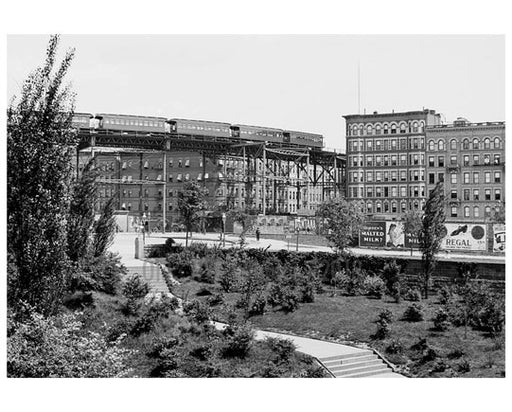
359	364
152	275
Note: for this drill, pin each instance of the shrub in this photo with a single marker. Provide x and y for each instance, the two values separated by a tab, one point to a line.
456	353
134	289
59	347
289	299
78	300
441	320
456	313
445	294
374	286
383	330
198	249
180	264
391	274
207	271
412	295
395	347
413	313
258	306
239	340
197	310
158	308
386	315
204	292
350	282
283	349
230	274
216	299
463	366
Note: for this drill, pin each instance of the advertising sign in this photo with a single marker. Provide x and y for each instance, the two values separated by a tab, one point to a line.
412	241
460	236
373	234
395	236
499	238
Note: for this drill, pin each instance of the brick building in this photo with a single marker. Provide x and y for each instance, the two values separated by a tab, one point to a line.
470	159
386	161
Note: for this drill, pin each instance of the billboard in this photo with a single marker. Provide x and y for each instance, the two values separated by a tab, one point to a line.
460	236
498	244
372	234
395	236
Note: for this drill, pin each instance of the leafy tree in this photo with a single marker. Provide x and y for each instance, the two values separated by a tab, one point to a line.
105	229
191	201
342	220
81	214
40	144
432	233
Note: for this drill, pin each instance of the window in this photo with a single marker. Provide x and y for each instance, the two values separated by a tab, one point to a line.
476	160
386	130
453	178
403	128
487	211
369	176
497	143
440	145
487	159
487	143
378	129
416	159
440	161
497	177
393	128
476	177
403	175
487	177
378	176
497	194
465	144
431	178
369	207
466	177
403	191
440	177
453	144
476	195
403	160
415	127
487	194
466	211
466	160
476	211
369	145
187	163
369	129
475	144
431	161
394	191
386	176
393	176
453	194
454	211
369	160
431	145
393	160
378	144
403	207
378	191
378	160
496	159
386	160
466	194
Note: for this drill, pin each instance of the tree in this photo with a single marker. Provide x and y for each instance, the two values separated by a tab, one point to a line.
432	233
245	219
412	222
105	229
342	219
81	214
40	144
191	201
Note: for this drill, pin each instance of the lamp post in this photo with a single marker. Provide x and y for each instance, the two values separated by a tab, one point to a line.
143	228
297	229
223	230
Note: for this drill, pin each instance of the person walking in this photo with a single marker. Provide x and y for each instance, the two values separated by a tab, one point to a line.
258	234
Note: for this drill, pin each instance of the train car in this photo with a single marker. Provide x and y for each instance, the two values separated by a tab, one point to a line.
303	138
257	133
200	127
81	120
131	123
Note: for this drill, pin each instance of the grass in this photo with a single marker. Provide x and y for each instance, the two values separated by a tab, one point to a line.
351	320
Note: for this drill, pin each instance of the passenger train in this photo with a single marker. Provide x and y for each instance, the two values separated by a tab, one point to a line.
150	124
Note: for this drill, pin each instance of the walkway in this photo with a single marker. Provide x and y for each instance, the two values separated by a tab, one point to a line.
341	360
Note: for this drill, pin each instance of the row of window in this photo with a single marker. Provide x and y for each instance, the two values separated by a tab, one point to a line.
134	122
403	159
386	191
386	128
387	176
386	144
496	160
468	194
212	128
390	207
454	211
466	144
466	177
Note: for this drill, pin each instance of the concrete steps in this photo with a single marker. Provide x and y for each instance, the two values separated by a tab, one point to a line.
152	276
358	364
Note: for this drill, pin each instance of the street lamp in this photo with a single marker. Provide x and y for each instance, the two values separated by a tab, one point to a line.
297	229
223	230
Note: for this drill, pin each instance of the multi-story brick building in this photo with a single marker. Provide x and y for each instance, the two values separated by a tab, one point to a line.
470	159
386	161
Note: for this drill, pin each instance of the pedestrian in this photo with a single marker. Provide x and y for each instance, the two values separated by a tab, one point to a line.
258	234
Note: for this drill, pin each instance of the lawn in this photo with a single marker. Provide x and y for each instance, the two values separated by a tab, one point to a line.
351	320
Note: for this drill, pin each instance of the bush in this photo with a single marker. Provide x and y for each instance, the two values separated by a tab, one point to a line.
134	289
395	347
412	295
391	274
102	274
58	347
463	366
258	306
198	249
239	340
78	300
216	299
445	295
383	330
198	311
289	299
207	271
374	286
350	282
386	315
441	320
230	275
158	308
180	264
413	313
282	348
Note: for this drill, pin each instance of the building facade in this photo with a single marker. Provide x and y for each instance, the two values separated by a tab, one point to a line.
386	165
470	159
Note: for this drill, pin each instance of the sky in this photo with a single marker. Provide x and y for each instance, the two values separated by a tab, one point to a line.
296	82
